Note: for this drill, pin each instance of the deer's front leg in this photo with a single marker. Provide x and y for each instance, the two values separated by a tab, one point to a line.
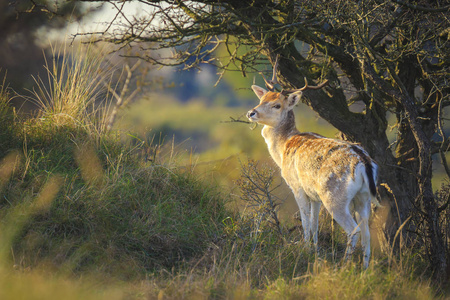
304	205
314	221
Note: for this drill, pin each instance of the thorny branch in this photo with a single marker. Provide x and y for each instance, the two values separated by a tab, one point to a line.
256	186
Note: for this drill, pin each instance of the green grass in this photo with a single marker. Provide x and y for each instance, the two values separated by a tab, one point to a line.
106	211
84	216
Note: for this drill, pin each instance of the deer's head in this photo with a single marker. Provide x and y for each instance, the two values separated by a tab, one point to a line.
273	107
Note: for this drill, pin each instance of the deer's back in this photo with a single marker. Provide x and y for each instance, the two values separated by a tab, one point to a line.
320	165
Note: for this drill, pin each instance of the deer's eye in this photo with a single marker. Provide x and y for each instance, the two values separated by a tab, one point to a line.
277	106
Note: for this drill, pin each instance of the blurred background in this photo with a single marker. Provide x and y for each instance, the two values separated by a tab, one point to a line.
195	118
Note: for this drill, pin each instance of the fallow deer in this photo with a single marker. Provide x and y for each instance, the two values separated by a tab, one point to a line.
318	170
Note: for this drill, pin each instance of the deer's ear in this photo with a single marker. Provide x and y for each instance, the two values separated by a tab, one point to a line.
293	99
259	91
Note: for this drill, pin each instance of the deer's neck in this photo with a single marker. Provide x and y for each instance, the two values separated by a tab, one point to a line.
277	136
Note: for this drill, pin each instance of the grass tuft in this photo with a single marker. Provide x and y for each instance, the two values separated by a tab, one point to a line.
75	83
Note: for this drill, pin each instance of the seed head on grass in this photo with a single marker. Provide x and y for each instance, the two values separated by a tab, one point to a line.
8	165
89	164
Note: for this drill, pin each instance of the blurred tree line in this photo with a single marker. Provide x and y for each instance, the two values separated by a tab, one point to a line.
27	27
24	26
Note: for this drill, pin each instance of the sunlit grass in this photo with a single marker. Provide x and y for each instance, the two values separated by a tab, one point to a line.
43	285
74	83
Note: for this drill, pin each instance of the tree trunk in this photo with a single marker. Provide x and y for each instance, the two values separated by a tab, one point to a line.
425	198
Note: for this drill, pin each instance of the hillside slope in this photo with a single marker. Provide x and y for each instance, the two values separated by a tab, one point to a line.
75	202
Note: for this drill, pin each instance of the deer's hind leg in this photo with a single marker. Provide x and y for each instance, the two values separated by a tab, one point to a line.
340	211
362	214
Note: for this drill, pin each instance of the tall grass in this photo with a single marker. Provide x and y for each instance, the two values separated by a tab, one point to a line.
73	88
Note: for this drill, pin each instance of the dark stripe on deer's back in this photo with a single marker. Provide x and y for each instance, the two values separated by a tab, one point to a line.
368	166
334	148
